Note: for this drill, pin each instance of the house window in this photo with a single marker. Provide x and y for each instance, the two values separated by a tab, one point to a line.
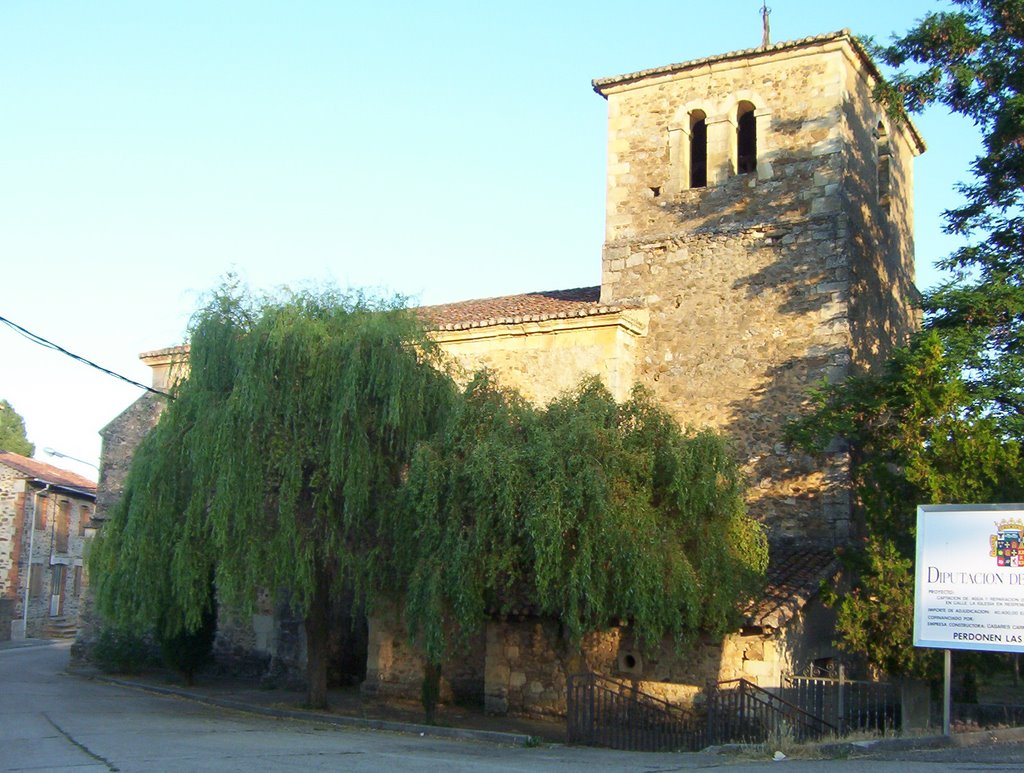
35	584
884	156
40	509
83	519
61	530
698	149
746	139
58	574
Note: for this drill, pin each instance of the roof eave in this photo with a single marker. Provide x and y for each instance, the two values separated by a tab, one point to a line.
603	85
63	487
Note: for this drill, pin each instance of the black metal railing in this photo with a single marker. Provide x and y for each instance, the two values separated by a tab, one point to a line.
606	712
615	714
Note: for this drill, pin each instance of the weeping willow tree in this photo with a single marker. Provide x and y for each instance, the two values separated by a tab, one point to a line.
587	510
274	463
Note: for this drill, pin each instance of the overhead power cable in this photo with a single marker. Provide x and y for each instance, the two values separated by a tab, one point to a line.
37	339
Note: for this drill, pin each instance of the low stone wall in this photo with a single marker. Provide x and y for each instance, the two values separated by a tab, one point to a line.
238	649
528	665
525	664
526	668
394	667
271	644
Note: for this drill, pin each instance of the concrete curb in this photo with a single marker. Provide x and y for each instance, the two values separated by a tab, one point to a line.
976	738
465	734
27	644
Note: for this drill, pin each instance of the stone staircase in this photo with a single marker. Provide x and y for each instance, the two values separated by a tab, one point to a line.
60	628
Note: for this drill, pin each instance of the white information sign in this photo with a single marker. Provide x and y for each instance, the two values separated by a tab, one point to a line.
969	579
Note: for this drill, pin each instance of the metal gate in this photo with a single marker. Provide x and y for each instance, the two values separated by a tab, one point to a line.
847	704
739	711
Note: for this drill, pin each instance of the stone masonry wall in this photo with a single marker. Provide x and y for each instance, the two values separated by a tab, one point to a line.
742	324
121	437
12	488
394	667
883	297
527	665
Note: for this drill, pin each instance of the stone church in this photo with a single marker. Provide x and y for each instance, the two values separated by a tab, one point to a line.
758	240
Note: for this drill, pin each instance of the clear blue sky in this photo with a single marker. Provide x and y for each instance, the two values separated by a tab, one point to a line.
443	150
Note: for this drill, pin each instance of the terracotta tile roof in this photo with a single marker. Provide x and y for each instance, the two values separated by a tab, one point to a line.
794	578
515	309
484	312
47	472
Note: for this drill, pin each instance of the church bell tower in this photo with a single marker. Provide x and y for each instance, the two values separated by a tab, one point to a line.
759	205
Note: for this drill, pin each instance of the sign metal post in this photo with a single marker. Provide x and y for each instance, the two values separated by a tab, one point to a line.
947	673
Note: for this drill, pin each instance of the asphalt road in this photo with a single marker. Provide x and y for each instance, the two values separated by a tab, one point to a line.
50	721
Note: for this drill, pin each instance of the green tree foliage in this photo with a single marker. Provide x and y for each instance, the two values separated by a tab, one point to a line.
317	447
12	431
186	649
971	60
586	511
122	651
274	463
919	438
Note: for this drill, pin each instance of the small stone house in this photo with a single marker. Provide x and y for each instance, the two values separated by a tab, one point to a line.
759	239
44	516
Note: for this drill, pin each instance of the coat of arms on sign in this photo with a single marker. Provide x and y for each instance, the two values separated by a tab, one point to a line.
1007	545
